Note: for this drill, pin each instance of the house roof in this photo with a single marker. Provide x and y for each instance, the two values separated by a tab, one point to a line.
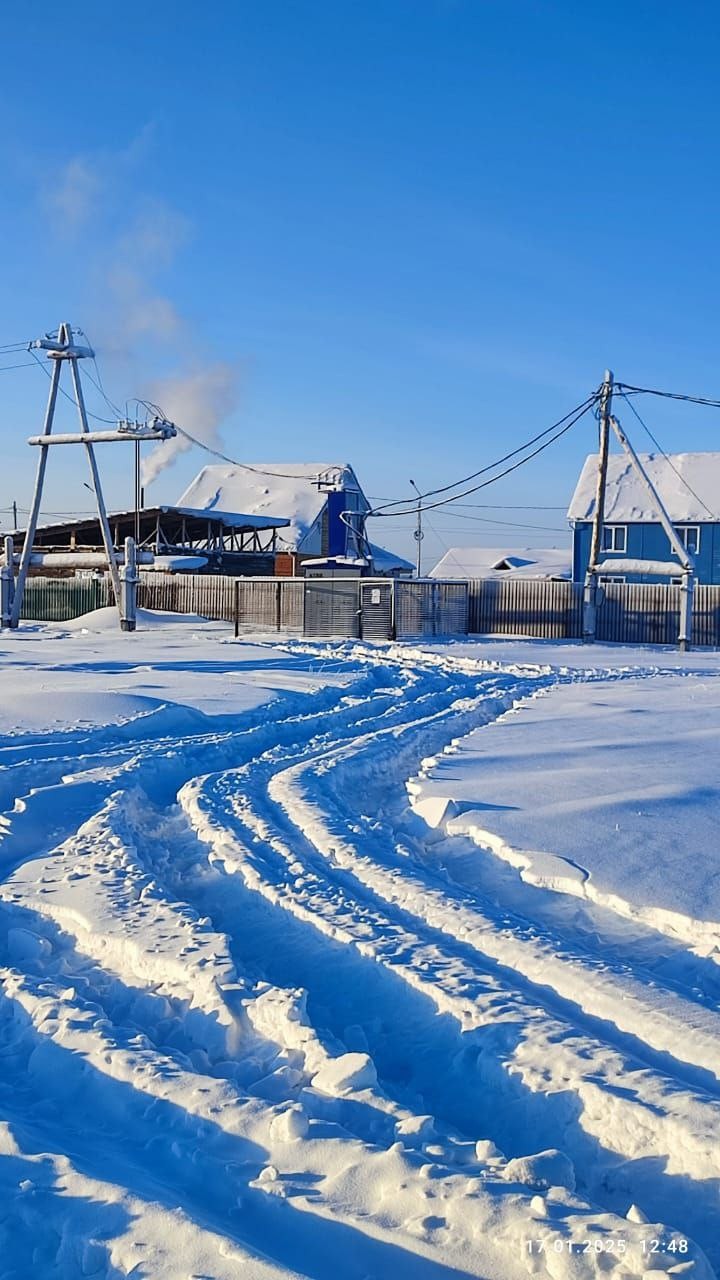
499	562
292	494
385	561
688	483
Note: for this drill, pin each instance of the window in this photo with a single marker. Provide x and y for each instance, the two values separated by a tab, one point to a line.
614	537
609	577
689	535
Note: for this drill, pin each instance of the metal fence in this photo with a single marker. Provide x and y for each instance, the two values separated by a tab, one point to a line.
628	613
60	599
379	609
374	609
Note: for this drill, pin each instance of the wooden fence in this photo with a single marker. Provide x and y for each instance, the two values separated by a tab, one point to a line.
628	614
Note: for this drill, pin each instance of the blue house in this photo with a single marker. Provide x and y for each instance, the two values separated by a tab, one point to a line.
689	486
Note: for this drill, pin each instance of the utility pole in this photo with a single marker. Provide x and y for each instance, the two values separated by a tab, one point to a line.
591	577
61	348
418	534
137	493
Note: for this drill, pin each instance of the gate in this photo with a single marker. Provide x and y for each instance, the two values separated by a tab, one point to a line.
431	608
376	610
331	607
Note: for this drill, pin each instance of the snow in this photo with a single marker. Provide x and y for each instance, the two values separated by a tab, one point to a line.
176	563
617	817
259	1018
663	568
385	561
292	494
687	483
494	562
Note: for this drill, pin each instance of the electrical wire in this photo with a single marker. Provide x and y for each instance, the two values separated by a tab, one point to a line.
622	387
14	346
26	364
216	453
579	410
669	461
382	513
99	387
108	421
488	506
509	524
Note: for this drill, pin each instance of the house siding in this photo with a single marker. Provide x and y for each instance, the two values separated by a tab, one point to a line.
650	542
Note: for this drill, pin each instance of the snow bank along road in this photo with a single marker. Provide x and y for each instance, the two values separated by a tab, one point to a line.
273	1006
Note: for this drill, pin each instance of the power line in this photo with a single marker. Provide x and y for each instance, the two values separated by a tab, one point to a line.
490	506
622	387
669	461
384	514
99	387
15	346
108	421
26	364
260	471
509	524
579	410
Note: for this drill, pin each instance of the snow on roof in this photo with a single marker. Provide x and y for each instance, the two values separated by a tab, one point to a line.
498	562
688	483
292	494
231	519
385	561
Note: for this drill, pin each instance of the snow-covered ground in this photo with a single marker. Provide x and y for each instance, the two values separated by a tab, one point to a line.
346	960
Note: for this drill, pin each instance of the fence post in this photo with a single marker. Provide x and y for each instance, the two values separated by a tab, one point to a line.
686	611
128	588
236	607
278	604
7	583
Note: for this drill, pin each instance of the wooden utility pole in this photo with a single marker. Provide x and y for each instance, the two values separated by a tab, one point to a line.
591	584
687	561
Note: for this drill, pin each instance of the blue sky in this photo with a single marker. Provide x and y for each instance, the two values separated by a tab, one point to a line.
403	233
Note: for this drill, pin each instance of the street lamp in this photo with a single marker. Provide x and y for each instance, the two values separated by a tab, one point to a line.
418	535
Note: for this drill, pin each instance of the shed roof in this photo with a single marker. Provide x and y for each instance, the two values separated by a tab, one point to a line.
688	483
231	519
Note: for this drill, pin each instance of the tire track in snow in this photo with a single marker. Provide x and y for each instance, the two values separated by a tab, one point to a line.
694	1123
396	962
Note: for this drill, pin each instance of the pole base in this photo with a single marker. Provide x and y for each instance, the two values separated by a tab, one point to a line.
126	624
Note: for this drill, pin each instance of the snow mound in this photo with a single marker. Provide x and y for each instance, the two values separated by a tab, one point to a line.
546	1169
24	712
345	1074
107	620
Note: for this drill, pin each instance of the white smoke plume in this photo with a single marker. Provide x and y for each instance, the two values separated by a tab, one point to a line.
133	324
198	402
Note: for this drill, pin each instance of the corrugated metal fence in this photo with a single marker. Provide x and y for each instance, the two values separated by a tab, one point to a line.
380	608
60	599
